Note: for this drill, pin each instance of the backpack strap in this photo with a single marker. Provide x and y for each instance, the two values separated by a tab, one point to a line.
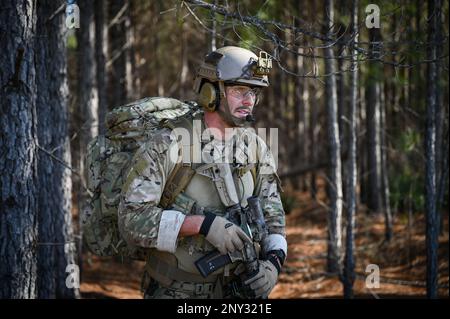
176	183
182	173
253	171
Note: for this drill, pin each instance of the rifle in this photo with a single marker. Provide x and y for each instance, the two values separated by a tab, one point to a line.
251	220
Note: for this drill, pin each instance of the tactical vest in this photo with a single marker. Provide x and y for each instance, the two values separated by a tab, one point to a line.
193	193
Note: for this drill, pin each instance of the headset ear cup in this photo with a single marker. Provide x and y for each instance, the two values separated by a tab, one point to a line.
207	97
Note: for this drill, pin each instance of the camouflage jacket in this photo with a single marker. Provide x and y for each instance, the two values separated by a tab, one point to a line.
139	215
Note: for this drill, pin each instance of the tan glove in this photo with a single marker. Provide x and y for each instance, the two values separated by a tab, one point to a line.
261	284
223	234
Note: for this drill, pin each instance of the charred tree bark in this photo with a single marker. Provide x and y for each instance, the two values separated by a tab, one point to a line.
87	103
56	247
432	220
441	125
18	149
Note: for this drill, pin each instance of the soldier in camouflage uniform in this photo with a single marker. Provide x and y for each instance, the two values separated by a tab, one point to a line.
227	82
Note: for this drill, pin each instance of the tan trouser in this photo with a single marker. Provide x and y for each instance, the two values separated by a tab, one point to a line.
185	290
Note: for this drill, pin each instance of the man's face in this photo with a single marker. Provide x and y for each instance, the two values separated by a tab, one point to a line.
241	100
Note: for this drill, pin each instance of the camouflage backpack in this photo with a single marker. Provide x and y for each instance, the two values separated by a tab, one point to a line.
107	160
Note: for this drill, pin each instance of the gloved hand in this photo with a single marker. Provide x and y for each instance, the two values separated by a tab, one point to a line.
223	234
262	282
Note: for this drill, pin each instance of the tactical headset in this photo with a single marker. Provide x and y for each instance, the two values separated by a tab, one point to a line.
209	96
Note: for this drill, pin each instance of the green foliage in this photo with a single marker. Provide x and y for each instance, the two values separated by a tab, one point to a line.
248	37
179	15
72	41
409	140
406	177
399	79
344	19
407	189
269	10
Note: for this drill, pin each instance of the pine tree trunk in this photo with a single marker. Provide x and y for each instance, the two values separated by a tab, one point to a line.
374	190
87	103
385	172
118	45
313	133
362	148
212	41
130	61
184	75
432	228
56	248
441	121
342	112
315	125
88	91
301	109
349	263
101	54
335	189
341	97
18	149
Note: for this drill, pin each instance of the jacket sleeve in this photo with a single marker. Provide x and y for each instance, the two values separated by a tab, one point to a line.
141	221
268	187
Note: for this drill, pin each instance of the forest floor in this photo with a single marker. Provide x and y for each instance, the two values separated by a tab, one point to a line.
401	262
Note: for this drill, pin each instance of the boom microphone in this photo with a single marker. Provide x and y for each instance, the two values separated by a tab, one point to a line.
250	118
